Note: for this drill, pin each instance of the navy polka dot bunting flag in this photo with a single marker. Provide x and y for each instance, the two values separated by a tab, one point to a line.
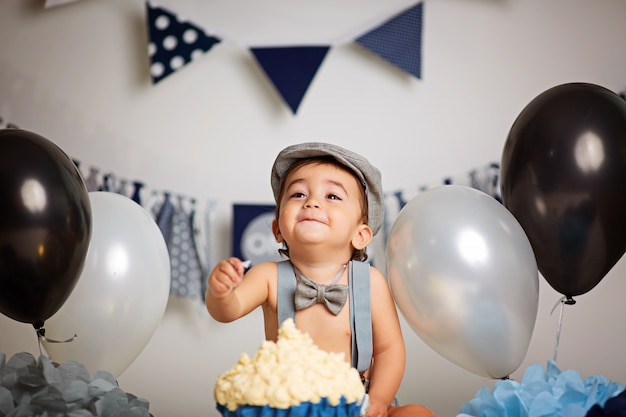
173	43
399	40
291	69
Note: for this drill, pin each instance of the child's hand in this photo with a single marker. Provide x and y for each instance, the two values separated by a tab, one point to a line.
376	409
225	276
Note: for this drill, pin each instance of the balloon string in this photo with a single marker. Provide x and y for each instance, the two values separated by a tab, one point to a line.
41	334
563	300
558	327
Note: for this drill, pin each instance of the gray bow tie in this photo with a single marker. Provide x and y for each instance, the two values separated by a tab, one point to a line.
309	292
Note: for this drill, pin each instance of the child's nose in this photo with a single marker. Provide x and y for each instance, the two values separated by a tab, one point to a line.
311	202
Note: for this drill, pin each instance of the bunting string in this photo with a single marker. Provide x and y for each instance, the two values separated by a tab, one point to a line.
187	235
173	43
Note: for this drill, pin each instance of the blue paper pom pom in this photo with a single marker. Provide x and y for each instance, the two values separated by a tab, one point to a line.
30	387
614	407
543	393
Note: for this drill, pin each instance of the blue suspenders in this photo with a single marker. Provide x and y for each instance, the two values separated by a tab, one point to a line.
360	313
286	290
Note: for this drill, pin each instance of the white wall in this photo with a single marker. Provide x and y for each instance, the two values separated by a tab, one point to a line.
78	75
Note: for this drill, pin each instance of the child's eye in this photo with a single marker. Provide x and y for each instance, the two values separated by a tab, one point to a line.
298	195
333	197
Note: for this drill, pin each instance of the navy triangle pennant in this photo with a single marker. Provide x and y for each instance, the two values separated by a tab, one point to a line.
399	40
173	43
291	69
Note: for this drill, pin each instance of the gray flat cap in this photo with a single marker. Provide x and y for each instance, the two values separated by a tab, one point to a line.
368	174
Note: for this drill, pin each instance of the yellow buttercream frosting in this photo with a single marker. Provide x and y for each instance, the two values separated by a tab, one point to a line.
288	372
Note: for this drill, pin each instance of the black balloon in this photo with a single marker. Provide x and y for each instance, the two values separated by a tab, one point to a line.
563	176
45	226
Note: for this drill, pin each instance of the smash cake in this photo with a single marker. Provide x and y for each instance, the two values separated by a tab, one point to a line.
290	377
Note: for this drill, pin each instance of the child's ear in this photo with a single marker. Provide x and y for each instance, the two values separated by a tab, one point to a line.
276	231
363	237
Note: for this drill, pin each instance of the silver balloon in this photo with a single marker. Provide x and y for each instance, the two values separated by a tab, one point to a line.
463	273
122	292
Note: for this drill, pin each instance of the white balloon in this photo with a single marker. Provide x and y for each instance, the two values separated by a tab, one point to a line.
464	275
121	294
